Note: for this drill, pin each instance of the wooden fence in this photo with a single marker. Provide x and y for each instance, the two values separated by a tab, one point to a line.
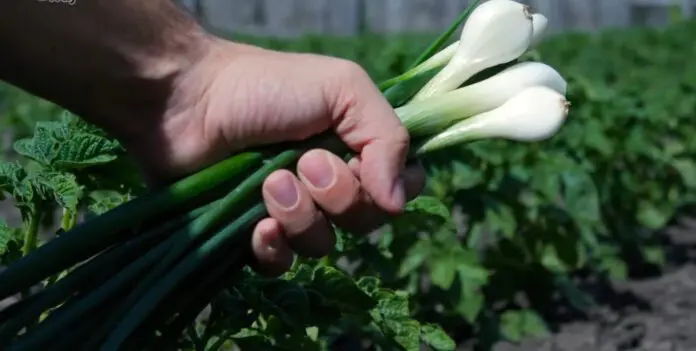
286	18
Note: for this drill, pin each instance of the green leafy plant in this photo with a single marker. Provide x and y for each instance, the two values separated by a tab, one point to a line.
498	221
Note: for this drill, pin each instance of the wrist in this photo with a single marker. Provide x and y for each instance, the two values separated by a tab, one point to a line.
169	136
132	104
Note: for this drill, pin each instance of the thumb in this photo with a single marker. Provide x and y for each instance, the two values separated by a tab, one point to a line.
366	123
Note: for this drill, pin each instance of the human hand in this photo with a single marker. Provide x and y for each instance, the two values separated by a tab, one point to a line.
239	96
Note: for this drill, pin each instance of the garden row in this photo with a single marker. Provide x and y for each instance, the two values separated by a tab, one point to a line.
500	231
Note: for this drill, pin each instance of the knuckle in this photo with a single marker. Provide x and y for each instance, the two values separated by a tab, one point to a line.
349	69
351	74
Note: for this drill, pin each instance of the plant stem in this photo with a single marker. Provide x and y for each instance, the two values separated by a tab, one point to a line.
31	235
195	339
67	221
31	232
396	80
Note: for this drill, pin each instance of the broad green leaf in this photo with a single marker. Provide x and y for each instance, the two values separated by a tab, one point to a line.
85	150
68	144
341	238
611	262
579	299
282	318
473	273
415	257
62	187
428	208
552	262
534	325
651	216
517	325
391	305
301	274
70	124
499	216
654	254
369	284
7	235
580	196
10	244
104	201
465	176
563	253
687	171
470	268
294	302
596	139
10	175
435	337
615	267
340	289
443	268
470	304
511	326
254	342
406	332
41	147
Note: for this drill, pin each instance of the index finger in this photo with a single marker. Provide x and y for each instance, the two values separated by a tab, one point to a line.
366	122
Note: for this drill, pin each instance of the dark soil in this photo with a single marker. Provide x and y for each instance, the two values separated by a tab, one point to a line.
654	313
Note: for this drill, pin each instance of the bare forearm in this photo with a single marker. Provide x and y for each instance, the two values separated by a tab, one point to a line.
95	56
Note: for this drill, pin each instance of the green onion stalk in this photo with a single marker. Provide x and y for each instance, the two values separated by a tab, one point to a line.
137	261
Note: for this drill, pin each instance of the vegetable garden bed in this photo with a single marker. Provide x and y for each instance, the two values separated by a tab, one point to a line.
530	218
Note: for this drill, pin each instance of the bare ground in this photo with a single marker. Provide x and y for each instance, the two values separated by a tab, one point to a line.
654	313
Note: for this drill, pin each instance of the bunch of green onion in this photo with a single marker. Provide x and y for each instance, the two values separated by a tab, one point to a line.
137	275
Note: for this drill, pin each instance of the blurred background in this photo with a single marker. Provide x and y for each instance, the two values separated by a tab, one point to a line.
287	18
583	242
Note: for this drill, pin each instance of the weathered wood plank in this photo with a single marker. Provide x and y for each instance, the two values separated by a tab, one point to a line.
615	13
394	15
235	15
552	9
345	17
376	16
580	14
650	13
287	18
688	8
425	15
